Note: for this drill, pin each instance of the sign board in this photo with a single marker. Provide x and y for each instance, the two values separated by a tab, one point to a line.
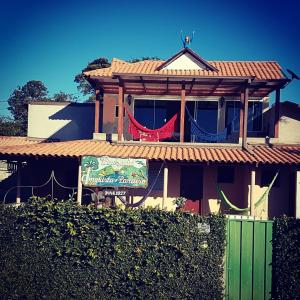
106	171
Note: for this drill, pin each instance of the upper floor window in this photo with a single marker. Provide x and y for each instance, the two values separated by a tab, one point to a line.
254	115
154	114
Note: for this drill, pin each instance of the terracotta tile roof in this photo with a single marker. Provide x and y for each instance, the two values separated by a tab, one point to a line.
193	153
16	140
266	70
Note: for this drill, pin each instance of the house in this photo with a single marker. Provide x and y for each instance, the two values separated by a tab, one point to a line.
205	127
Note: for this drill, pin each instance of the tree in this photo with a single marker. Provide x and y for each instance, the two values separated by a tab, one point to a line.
84	86
18	102
134	60
9	127
64	97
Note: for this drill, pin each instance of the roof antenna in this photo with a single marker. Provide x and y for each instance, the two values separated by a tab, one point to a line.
187	40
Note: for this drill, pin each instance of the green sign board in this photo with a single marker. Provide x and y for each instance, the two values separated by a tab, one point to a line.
106	171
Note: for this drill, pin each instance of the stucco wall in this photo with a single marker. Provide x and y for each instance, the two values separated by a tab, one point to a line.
62	121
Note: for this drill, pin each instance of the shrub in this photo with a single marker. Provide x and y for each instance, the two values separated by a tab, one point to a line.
286	259
55	249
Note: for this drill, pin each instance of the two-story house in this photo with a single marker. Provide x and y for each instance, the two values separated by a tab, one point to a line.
205	127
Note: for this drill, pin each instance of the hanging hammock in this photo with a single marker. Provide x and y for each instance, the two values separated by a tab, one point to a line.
257	203
139	132
144	198
202	135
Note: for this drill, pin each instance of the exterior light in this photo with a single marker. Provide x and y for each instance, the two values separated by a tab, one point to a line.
222	101
129	99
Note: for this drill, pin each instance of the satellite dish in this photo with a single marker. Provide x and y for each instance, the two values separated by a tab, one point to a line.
294	75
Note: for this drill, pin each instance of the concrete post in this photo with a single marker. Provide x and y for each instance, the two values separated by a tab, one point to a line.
79	185
18	196
165	190
253	173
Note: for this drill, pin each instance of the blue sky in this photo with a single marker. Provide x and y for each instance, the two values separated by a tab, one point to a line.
52	41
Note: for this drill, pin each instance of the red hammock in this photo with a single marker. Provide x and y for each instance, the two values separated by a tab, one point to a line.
138	131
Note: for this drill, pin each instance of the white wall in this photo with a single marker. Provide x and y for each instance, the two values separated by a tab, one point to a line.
63	121
185	62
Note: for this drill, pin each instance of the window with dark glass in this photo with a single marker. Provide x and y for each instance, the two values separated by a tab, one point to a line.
153	172
267	175
154	114
232	118
254	116
225	174
207	115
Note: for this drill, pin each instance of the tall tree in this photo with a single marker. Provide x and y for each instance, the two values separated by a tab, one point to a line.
18	102
63	97
9	127
83	85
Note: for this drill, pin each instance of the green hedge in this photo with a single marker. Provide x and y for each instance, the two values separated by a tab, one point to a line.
286	259
55	250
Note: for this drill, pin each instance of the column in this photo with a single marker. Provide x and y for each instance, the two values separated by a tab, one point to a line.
120	116
241	115
97	111
18	196
79	184
245	122
277	112
252	184
165	190
182	113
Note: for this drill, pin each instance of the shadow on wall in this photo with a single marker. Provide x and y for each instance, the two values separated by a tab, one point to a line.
79	122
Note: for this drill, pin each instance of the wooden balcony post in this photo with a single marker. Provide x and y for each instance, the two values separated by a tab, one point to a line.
245	123
182	113
242	115
120	116
277	114
97	111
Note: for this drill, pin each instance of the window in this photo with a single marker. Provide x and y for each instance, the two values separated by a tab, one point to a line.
232	117
152	173
117	111
267	176
226	174
255	116
206	114
155	113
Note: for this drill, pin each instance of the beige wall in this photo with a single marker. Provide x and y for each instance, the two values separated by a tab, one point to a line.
279	201
156	197
60	120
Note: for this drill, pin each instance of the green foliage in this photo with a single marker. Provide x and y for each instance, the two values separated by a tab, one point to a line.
64	97
57	250
84	86
9	126
286	258
134	60
179	201
18	101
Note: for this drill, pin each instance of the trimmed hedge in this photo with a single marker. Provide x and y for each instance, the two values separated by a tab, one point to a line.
55	250
286	259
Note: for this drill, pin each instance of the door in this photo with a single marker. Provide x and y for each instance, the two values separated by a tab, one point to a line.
191	187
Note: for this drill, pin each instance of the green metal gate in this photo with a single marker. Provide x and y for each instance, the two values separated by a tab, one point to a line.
248	259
